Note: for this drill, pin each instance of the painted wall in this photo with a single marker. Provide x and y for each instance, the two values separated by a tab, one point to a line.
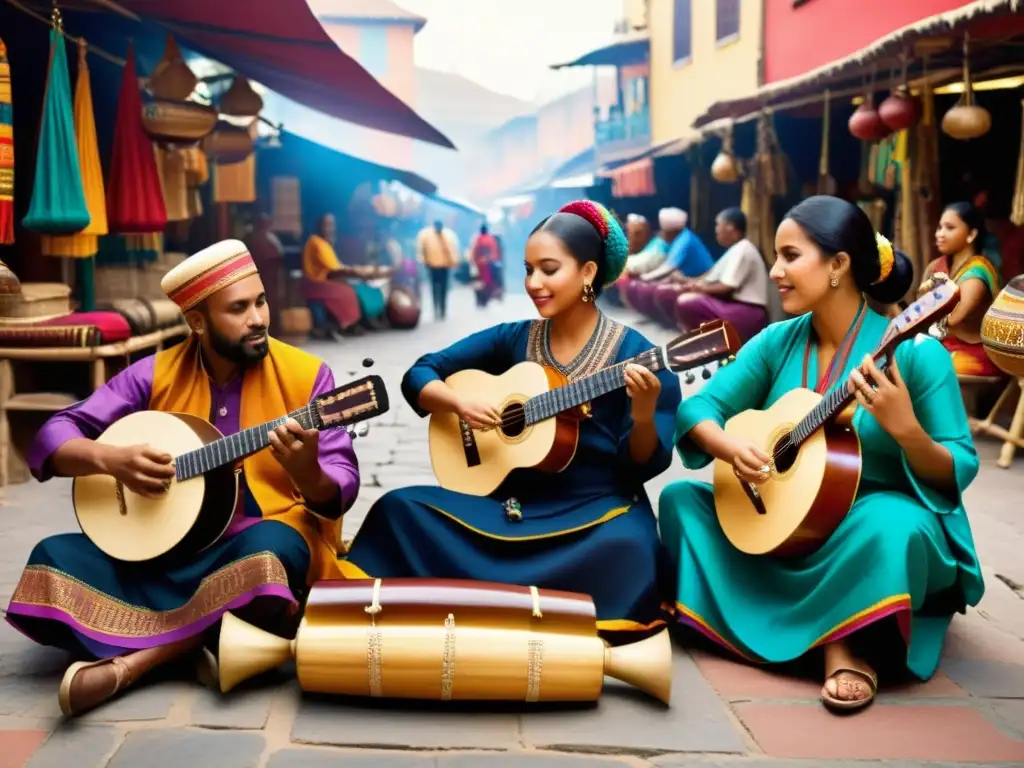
681	91
386	52
793	36
505	159
565	126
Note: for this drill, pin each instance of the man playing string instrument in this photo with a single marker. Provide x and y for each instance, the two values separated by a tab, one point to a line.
132	617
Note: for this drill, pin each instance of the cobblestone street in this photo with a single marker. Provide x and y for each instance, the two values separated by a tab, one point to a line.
723	713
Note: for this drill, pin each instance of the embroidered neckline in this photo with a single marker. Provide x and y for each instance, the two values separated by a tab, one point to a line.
597	353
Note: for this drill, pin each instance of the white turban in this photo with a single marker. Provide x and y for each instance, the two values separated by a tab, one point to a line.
635	218
672	218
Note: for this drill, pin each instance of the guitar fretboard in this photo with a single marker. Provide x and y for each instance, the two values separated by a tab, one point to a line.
560	399
236	446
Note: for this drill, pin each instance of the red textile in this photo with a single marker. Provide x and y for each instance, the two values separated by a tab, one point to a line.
135	198
79	329
282	45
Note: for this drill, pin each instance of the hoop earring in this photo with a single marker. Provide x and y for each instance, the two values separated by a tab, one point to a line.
834	282
588	292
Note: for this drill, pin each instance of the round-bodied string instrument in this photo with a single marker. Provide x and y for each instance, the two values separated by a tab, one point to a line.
1002	329
447	640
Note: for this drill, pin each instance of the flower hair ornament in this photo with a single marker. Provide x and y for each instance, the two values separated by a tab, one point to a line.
616	246
886	257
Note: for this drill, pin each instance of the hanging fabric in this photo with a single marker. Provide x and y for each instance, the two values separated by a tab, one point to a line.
236	182
58	205
135	201
85	243
6	151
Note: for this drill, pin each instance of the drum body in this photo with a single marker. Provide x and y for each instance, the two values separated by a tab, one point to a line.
1002	329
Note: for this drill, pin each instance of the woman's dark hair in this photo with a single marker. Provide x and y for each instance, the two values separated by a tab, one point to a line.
737	218
580	239
835	225
973	218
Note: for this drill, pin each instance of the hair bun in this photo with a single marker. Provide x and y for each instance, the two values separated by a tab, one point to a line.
616	246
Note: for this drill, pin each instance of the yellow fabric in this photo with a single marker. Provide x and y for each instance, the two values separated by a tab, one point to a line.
436	250
85	243
235	182
319	259
171	167
281	383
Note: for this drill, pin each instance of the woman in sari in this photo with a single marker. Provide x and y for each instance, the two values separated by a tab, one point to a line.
883	588
959	236
324	283
589	528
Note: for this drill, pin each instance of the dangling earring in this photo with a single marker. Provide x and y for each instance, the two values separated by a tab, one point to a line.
588	292
834	282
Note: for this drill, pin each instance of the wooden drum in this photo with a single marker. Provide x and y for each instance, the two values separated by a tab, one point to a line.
1002	329
447	640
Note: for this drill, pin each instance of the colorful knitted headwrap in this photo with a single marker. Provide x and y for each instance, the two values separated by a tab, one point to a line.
616	246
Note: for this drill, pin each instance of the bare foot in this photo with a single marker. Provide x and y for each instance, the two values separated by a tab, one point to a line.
850	683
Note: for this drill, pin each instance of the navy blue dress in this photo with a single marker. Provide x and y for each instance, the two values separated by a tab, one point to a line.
588	529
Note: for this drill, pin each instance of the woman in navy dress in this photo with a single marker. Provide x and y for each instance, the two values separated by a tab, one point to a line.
589	528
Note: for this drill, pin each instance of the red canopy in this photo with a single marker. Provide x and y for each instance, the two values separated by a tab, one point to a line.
283	46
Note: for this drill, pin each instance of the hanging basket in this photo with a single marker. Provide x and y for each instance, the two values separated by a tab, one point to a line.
228	143
177	122
966	120
171	78
241	100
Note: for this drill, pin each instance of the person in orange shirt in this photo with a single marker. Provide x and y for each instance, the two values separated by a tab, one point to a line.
324	281
438	248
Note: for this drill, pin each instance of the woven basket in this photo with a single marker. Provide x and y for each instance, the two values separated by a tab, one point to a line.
142	282
36	302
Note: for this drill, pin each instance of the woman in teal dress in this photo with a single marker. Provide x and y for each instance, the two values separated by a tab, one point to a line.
587	529
903	558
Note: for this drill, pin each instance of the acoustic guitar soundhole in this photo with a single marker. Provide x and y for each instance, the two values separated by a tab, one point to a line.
784	455
513	420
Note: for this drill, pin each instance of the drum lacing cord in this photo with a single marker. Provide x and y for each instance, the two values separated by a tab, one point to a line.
374	607
536	603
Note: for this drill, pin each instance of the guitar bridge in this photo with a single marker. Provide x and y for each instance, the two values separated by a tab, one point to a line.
469	445
122	505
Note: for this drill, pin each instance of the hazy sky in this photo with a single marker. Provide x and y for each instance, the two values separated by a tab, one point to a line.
508	46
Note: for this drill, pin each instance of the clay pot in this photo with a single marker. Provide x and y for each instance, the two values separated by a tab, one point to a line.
899	111
866	124
177	122
241	100
1002	329
724	169
9	282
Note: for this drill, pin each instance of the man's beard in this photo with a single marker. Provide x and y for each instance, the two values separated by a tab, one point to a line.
240	353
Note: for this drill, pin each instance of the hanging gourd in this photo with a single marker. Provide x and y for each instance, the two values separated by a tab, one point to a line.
84	243
58	205
228	143
171	78
135	201
865	123
724	167
966	120
241	100
6	152
900	110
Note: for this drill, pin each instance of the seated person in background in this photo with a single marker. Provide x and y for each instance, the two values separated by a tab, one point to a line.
324	281
687	256
638	232
961	230
133	617
589	528
883	588
734	289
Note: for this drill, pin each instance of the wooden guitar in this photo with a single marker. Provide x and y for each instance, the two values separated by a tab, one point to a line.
197	508
541	411
816	458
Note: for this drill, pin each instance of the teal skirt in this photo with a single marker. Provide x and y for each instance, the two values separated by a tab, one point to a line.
889	560
371	300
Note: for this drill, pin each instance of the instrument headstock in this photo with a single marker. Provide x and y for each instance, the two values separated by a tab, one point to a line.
356	401
713	340
936	302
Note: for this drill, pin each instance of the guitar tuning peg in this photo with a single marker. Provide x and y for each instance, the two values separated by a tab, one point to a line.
705	373
367	362
689	378
363	429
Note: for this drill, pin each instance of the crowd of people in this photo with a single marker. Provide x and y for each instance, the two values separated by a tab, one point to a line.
876	597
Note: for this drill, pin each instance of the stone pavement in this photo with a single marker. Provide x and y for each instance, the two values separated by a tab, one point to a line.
723	713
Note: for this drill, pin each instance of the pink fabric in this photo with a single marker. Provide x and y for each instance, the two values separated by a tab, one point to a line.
692	309
641	297
337	296
664	303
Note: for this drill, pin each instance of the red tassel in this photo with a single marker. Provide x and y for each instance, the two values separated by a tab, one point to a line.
6	222
135	199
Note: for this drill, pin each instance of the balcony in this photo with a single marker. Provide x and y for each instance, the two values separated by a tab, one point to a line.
618	134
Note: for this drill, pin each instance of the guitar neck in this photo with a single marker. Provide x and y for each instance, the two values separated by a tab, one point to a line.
237	446
568	396
830	406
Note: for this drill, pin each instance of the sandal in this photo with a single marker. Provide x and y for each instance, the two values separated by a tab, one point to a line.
122	679
848	705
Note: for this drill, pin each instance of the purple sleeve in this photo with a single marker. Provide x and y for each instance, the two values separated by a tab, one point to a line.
337	457
125	393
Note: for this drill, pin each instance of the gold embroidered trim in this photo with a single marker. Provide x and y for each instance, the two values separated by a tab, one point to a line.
603	348
534	669
45	586
374	641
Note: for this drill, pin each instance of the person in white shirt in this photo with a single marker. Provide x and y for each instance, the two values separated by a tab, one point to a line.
734	289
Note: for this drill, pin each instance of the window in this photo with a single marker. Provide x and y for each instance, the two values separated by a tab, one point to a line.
727	19
682	41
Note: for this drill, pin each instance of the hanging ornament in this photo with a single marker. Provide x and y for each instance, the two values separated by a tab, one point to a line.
58	205
6	152
966	120
900	110
135	201
171	78
241	100
228	143
724	167
865	123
